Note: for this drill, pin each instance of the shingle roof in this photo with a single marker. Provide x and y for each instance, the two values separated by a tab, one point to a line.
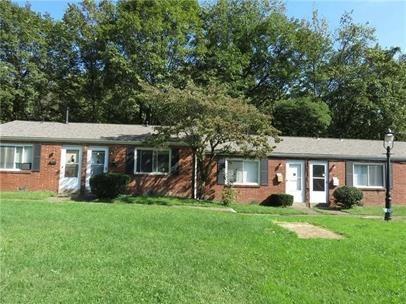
334	148
74	132
292	147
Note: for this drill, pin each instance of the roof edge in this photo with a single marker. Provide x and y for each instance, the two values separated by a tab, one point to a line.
80	141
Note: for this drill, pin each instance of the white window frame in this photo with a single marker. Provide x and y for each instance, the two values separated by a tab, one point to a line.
23	154
244	183
153	160
368	164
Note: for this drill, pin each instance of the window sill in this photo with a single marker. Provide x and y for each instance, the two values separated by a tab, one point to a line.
15	171
151	174
245	185
370	188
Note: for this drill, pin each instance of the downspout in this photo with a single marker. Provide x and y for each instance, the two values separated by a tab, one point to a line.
194	176
307	184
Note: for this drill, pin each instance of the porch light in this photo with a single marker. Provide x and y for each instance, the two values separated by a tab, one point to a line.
389	139
388	143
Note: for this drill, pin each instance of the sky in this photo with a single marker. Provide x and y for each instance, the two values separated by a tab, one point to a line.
388	17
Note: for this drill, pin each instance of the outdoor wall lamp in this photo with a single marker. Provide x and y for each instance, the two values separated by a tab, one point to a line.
388	143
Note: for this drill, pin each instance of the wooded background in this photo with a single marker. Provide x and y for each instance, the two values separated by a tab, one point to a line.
311	81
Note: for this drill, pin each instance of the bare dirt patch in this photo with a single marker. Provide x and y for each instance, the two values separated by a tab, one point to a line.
309	231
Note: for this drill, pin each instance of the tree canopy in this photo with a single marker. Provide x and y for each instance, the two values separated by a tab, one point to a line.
211	122
96	59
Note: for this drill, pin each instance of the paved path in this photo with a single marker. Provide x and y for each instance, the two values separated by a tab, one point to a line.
309	231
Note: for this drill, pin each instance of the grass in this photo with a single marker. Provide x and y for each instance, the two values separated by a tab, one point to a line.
26	195
258	209
374	210
73	252
160	200
174	201
165	201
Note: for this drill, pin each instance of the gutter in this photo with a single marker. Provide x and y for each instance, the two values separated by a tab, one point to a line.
81	140
183	144
337	156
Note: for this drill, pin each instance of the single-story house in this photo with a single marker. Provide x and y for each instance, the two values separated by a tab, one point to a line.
61	157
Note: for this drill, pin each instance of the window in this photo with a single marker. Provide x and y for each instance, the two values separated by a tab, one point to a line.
97	162
368	175
72	163
152	161
242	172
15	157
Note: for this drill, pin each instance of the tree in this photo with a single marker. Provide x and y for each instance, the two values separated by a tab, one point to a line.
366	85
301	117
23	75
155	41
211	123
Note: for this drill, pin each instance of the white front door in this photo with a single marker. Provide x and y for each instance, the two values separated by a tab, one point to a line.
69	178
318	176
97	162
295	180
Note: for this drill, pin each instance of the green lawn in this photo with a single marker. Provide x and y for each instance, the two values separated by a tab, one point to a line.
158	200
74	252
397	210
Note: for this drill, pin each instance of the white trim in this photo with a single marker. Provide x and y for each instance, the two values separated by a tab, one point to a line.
369	164
302	176
89	161
243	160
14	169
152	149
63	163
326	181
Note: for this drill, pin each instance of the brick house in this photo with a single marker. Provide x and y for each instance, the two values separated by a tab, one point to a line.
62	157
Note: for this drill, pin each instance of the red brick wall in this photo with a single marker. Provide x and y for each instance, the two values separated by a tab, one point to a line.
46	179
248	194
173	185
181	185
373	196
399	183
336	169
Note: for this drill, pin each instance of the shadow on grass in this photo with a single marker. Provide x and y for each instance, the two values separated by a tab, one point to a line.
145	200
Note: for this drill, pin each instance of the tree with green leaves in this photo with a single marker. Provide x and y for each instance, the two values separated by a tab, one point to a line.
366	87
301	117
155	42
23	63
211	123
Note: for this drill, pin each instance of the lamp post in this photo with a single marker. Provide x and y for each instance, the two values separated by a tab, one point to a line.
388	145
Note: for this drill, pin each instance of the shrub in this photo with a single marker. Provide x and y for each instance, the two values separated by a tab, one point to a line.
109	185
228	196
279	200
347	197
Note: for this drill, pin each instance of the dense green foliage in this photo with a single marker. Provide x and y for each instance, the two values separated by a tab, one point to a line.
301	117
94	59
211	123
279	200
347	197
109	185
122	253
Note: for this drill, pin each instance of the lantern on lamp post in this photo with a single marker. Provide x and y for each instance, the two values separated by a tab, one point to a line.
388	143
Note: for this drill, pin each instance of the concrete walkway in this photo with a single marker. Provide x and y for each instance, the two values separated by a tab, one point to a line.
309	231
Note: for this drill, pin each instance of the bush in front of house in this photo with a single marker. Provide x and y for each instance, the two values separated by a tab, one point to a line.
346	197
109	185
279	200
228	195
